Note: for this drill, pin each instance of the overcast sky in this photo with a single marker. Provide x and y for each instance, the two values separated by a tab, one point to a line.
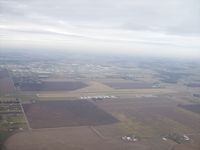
140	27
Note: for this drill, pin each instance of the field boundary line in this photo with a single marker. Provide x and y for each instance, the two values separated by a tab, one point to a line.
28	125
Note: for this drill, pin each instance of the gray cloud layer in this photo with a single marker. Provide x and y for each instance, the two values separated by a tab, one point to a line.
174	23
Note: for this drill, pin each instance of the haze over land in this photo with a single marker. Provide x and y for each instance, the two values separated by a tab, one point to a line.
140	27
84	101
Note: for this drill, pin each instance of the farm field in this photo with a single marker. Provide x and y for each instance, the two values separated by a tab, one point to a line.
129	85
192	107
53	86
71	138
158	116
52	114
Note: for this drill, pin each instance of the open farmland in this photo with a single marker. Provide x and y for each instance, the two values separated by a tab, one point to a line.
148	117
53	86
70	138
52	114
106	105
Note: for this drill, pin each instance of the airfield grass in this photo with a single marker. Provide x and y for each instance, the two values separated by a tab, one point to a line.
94	88
120	92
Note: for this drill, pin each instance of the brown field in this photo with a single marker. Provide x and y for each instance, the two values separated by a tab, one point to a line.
151	116
51	114
129	85
193	107
53	86
71	138
195	145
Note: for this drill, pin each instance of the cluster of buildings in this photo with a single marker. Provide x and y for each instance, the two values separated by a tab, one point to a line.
99	97
130	138
177	138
